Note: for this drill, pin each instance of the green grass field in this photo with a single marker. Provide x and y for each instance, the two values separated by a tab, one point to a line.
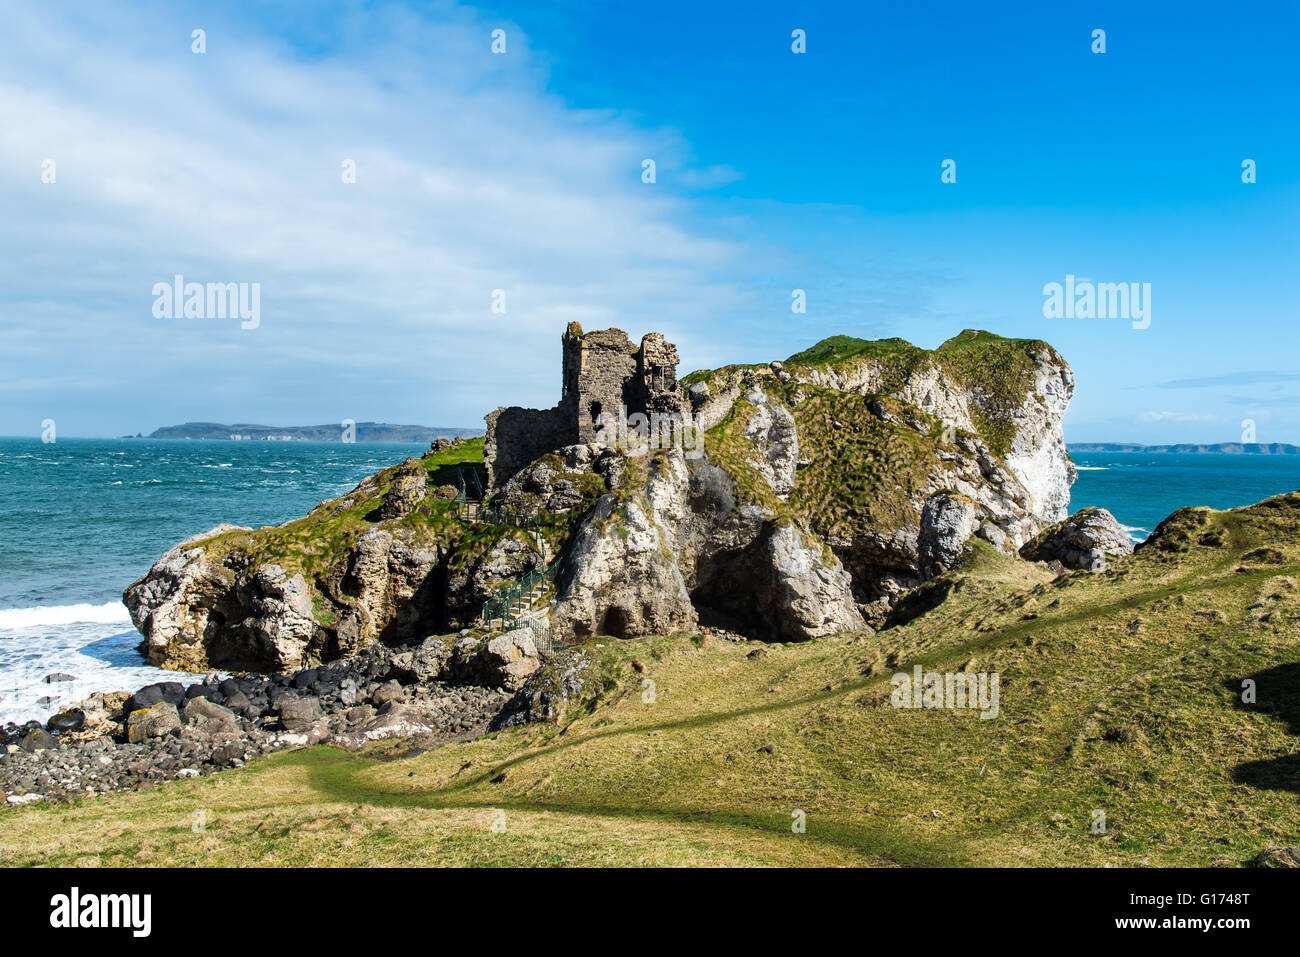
1120	693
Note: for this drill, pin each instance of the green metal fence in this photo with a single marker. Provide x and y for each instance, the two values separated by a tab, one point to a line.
469	510
516	598
472	484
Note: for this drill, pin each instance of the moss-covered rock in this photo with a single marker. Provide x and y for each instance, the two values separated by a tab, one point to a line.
387	561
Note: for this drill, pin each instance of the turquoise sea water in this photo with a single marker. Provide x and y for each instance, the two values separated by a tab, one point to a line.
82	519
1141	488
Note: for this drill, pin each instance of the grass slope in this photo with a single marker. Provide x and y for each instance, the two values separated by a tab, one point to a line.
1120	692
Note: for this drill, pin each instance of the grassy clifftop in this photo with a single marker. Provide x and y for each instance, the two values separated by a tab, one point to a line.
1120	693
973	356
997	371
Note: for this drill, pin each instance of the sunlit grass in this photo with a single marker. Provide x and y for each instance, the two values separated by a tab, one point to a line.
1120	694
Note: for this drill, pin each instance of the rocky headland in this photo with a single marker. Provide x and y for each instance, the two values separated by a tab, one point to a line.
818	495
825	488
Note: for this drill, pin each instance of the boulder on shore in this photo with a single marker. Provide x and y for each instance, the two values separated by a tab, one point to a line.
159	721
1084	541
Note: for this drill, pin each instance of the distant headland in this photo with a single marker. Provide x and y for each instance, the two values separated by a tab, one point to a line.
342	432
1235	448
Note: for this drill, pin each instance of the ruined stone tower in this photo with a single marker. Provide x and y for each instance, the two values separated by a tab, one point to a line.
603	372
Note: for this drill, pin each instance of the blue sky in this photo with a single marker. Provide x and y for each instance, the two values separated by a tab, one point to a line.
522	172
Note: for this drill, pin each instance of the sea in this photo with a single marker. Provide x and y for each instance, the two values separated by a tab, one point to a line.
80	519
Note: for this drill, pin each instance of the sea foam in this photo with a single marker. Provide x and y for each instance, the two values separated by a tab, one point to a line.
112	612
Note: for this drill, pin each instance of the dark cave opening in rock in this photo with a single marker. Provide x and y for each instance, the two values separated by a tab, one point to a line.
727	594
428	610
614	622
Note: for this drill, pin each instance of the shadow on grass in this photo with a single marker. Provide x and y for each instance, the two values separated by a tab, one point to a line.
334	774
1277	694
337	774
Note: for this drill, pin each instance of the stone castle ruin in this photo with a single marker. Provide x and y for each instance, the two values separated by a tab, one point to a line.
606	378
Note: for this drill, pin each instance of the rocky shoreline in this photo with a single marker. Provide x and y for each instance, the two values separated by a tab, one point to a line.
828	488
427	694
441	689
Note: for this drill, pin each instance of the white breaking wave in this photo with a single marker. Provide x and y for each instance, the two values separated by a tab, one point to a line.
1092	468
46	669
112	612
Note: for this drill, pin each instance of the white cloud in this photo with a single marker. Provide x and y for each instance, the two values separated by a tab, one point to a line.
710	177
1179	417
226	167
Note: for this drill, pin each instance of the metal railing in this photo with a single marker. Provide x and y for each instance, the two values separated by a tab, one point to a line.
473	480
516	598
542	639
469	510
512	601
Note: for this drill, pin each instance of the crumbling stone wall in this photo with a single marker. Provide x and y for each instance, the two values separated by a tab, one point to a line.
607	365
603	372
656	388
517	436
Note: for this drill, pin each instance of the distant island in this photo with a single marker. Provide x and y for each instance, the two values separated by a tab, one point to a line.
1235	448
364	432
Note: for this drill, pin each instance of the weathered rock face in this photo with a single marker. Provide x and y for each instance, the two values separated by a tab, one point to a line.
195	612
830	486
947	522
279	619
1084	541
386	578
649	562
407	491
621	577
173	605
203	606
771	430
559	482
562	681
1037	456
808	594
502	661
